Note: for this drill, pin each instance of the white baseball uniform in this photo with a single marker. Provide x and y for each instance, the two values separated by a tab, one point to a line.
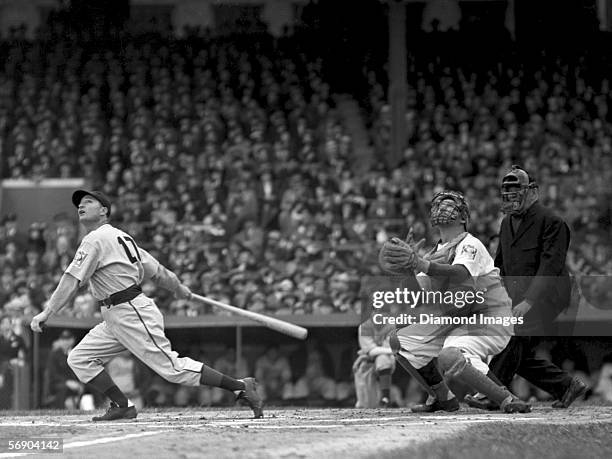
420	343
110	261
375	338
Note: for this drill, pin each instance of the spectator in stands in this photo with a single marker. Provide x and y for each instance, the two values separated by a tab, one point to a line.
274	373
85	306
227	362
376	354
603	385
62	388
158	392
12	355
127	372
315	383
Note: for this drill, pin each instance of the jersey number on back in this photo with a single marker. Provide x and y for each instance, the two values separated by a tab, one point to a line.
128	252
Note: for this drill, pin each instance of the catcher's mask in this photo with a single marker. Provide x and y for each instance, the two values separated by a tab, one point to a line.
449	207
514	188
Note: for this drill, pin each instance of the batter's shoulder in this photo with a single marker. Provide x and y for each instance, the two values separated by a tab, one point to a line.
103	232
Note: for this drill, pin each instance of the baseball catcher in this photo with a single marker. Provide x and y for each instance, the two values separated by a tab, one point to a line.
459	263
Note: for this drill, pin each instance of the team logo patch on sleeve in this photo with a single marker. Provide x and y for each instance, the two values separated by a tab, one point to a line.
469	250
79	258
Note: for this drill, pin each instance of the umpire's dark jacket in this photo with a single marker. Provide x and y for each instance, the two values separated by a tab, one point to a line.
532	262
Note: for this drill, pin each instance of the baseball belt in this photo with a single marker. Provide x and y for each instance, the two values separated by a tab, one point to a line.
122	296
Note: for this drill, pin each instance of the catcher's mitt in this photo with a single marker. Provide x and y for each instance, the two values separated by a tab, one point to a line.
397	257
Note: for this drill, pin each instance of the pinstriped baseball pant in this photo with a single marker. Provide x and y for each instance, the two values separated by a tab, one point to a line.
137	326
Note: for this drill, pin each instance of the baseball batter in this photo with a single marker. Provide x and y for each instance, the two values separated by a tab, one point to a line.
458	263
114	266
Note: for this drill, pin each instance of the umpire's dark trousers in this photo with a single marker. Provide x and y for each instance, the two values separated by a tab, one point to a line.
519	358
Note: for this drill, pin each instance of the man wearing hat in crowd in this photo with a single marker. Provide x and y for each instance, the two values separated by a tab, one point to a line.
115	267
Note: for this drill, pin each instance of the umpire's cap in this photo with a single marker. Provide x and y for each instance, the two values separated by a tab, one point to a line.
518	177
98	195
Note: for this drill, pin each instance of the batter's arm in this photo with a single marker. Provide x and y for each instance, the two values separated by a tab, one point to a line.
64	292
162	276
168	280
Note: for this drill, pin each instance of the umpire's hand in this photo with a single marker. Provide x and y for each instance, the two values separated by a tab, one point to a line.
521	309
38	321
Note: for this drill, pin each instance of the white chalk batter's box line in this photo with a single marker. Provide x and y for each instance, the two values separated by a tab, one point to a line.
271	423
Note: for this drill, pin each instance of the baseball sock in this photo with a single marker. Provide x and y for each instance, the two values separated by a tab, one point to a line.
432	376
430	373
103	383
211	377
384	378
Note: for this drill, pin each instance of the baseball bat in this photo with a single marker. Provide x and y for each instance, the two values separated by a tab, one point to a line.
272	323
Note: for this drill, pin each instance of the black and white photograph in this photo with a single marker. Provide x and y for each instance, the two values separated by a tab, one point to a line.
306	229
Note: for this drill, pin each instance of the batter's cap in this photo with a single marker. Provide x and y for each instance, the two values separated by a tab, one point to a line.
97	195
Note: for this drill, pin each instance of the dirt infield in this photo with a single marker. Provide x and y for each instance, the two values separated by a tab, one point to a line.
584	431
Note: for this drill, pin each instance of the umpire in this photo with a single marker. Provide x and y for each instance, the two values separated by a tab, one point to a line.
533	244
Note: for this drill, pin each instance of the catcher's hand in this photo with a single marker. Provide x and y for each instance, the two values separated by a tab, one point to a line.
400	257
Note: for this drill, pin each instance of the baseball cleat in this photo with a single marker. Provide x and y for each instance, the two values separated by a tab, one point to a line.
386	403
576	389
250	396
437	405
513	404
115	412
481	402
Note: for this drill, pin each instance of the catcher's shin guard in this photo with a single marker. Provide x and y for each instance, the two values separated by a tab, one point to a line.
406	365
454	365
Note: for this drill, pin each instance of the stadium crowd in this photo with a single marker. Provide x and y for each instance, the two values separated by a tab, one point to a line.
227	159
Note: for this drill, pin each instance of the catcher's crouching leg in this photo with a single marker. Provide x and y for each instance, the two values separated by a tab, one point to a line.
454	365
440	398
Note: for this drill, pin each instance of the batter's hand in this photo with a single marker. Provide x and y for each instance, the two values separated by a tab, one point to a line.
183	292
521	309
38	321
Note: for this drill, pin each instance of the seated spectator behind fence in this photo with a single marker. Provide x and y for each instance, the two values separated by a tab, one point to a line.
12	354
273	372
316	383
158	392
603	386
374	366
199	395
85	306
62	389
125	370
227	364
